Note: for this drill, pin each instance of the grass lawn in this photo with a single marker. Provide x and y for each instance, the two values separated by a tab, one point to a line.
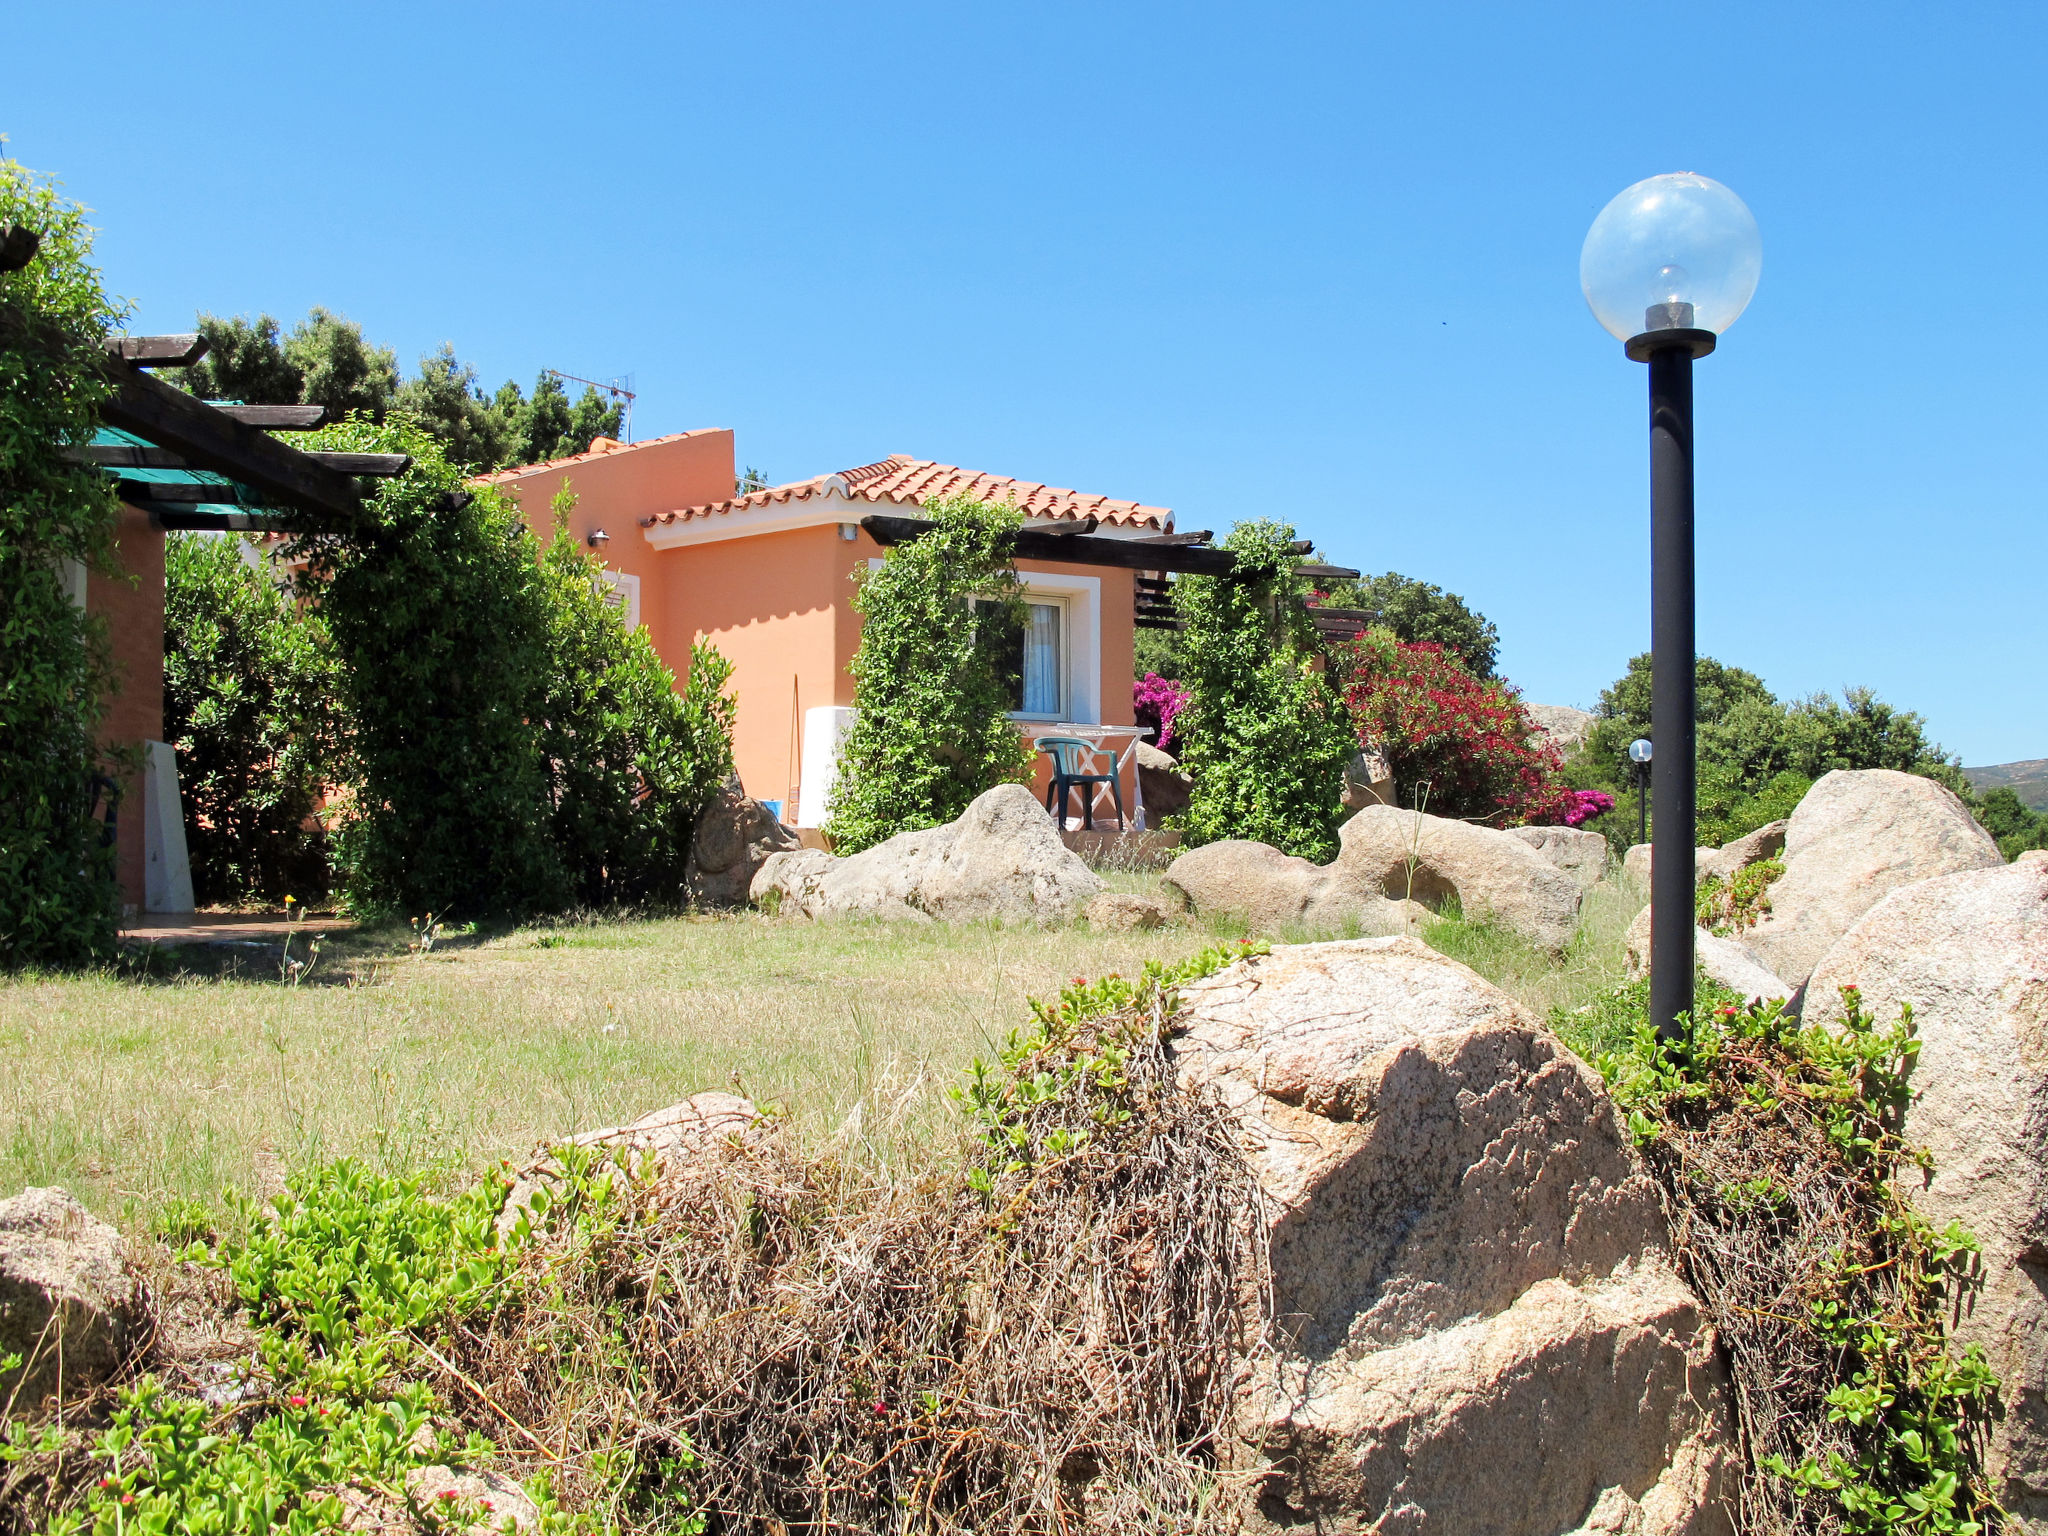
139	1092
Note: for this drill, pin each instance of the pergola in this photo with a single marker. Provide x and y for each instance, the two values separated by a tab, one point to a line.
197	464
1157	557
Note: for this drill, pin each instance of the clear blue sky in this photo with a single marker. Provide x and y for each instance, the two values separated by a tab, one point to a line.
1313	262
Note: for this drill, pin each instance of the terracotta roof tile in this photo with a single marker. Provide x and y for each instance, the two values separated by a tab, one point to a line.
900	479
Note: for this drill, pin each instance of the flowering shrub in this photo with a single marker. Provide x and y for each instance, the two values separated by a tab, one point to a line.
1468	739
1586	804
1157	701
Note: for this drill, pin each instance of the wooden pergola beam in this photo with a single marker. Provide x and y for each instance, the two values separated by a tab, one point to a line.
131	456
158	351
278	418
1075	549
210	437
175	517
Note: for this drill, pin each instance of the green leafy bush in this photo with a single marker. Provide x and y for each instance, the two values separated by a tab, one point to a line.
1781	1146
249	703
1420	613
933	727
1267	734
1757	756
2007	818
512	749
57	894
629	758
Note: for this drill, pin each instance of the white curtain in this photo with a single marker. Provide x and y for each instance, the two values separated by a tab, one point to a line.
1042	660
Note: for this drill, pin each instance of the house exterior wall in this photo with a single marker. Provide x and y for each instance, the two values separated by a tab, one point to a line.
131	602
777	603
615	490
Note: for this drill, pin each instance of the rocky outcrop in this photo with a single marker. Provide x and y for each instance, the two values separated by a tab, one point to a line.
703	1128
1368	780
734	837
1002	860
69	1305
1494	876
1274	892
1388	863
1726	960
1121	912
1969	951
1730	859
476	1503
1482	1330
1581	854
1163	784
1858	836
1564	726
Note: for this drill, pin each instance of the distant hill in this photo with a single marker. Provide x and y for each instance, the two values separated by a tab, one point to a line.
2028	780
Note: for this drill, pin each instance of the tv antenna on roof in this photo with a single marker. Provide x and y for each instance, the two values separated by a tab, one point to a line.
619	388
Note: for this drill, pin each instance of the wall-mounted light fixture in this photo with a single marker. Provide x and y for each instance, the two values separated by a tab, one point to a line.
597	538
848	532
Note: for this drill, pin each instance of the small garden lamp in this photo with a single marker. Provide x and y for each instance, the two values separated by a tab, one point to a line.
1668	265
1639	766
597	538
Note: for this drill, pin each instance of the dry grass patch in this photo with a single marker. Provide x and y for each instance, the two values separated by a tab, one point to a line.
141	1094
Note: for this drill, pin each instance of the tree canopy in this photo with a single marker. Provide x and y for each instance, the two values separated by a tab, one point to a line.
1421	612
325	360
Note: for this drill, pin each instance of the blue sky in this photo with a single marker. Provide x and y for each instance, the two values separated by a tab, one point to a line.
1312	262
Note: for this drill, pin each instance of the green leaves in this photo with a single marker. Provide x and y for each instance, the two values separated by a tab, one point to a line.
57	902
1268	736
933	729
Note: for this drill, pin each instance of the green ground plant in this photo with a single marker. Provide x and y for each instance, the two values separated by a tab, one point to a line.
933	727
57	896
1268	735
1730	905
249	704
1780	1147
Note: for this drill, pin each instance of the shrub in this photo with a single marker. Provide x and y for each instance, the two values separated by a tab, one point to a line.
1267	736
57	894
249	684
1158	701
1464	745
512	749
1420	612
1757	756
629	758
933	727
2006	817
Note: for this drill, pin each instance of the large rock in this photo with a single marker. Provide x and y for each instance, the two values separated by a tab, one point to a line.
1493	875
1730	859
1581	854
1163	784
69	1304
1564	726
734	837
1003	860
668	1143
1482	1330
1858	836
1274	892
1969	951
1368	780
1726	960
1389	863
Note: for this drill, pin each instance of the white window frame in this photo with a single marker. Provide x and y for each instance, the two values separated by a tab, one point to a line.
1059	604
1083	596
624	596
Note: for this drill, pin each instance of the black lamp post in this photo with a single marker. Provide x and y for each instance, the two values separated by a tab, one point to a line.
1639	767
1680	252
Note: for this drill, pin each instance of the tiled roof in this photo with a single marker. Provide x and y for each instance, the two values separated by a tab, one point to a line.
902	480
599	448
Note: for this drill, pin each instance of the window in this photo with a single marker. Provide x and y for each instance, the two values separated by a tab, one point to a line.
1033	657
621	594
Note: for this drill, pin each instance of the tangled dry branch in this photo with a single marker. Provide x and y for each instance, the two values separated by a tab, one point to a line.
1054	1347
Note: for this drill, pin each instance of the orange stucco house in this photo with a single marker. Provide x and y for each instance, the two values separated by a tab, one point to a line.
767	577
